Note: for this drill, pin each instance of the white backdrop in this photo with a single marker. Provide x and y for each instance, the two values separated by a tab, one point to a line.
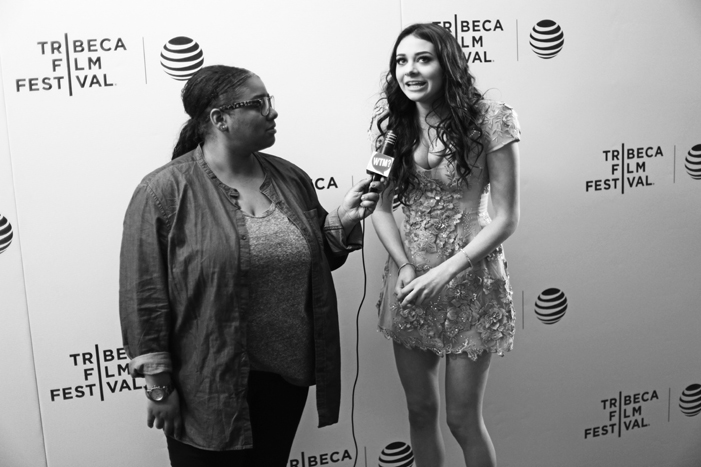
624	258
21	441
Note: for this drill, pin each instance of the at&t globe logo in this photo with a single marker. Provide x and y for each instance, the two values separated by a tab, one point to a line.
693	162
397	454
547	39
181	57
690	400
551	306
5	234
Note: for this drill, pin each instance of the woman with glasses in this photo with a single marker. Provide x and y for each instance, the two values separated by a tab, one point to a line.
446	288
227	303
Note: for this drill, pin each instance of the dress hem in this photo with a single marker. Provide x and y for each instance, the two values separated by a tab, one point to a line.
472	353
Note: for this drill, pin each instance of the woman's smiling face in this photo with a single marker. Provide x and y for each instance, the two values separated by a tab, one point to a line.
418	71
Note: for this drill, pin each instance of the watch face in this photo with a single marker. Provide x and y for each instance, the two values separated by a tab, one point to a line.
157	394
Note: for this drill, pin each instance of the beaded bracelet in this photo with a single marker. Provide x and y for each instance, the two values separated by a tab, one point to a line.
469	261
406	264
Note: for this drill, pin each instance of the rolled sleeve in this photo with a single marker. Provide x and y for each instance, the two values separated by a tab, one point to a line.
335	235
150	364
144	308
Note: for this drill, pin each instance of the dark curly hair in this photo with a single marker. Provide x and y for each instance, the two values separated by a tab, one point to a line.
212	86
459	129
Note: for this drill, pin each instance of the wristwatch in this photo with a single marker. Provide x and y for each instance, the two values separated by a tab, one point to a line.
158	393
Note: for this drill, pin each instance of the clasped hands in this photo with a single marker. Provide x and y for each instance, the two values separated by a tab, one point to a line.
416	290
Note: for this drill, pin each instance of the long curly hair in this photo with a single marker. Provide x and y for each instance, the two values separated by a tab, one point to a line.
456	105
212	86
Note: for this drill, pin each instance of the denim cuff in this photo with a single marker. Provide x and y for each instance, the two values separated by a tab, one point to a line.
335	235
150	364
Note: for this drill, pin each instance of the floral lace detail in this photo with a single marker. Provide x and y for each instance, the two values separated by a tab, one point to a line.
474	312
432	218
500	124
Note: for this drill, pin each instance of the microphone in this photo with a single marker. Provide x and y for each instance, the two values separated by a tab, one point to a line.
381	161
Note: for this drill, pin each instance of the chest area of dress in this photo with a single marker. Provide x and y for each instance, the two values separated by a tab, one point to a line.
442	188
437	170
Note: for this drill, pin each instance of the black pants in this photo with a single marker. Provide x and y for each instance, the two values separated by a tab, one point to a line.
275	407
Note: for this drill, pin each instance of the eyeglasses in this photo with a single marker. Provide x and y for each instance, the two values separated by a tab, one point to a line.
266	104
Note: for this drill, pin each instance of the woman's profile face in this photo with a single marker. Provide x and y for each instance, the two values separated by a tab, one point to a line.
246	124
418	71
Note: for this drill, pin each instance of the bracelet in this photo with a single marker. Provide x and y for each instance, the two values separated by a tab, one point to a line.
469	261
406	264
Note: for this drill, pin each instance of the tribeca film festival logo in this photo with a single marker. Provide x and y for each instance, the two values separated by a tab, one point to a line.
104	371
397	454
470	36
547	39
5	233
627	169
181	58
72	64
550	306
316	460
624	413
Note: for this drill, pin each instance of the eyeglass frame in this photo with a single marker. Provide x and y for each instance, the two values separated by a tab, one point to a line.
259	101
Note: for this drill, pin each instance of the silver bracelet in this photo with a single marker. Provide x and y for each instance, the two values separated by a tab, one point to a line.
469	261
406	264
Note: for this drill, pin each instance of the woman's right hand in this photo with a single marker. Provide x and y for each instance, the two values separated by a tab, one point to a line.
165	414
404	276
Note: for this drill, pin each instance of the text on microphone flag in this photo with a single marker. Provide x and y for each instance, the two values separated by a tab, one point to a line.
380	164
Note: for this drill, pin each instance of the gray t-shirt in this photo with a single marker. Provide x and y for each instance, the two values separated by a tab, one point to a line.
280	326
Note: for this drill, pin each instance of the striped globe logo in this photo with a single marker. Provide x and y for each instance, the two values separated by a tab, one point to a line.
551	306
5	233
397	454
690	400
181	57
547	39
693	162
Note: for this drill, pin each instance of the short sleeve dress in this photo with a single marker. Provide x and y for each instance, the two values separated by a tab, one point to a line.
475	311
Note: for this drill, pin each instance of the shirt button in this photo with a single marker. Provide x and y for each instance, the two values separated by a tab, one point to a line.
244	237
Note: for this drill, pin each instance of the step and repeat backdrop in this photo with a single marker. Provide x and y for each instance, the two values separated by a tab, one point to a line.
604	265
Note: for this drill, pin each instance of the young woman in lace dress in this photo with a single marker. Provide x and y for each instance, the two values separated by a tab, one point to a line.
446	288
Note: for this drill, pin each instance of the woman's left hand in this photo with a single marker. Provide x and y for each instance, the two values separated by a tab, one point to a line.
424	288
359	202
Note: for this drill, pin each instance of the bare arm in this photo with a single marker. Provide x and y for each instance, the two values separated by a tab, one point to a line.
387	231
504	178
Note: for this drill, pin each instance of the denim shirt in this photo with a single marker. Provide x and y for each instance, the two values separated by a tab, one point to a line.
184	291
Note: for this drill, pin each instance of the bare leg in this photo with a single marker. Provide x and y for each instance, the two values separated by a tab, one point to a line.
418	371
464	387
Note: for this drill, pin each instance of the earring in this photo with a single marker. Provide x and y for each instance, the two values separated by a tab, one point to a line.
223	128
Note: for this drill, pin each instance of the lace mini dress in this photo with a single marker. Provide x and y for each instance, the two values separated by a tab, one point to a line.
474	312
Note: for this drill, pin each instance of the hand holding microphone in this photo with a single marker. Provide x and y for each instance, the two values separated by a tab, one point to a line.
362	199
